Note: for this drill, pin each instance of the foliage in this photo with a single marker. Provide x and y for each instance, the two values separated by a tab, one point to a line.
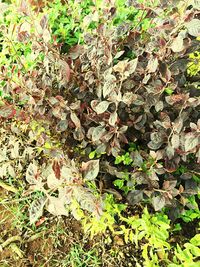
108	219
189	255
124	85
117	101
127	101
79	257
194	64
193	212
150	232
67	29
84	16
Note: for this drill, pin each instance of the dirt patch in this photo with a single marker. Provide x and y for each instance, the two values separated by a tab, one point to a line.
49	244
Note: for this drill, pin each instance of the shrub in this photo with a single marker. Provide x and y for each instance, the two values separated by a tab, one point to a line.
99	98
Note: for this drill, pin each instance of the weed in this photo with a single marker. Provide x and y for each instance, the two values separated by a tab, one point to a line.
79	257
189	255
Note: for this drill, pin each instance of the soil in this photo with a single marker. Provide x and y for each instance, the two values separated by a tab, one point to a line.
48	244
52	241
45	250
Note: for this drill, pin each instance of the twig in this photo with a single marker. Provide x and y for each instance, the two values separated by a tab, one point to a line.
10	240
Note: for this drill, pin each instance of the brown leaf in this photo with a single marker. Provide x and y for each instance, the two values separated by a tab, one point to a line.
159	106
90	169
36	209
158	202
32	173
24	7
129	98
75	119
46	36
132	66
164	71
169	185
170	152
121	66
56	206
76	51
109	84
43	21
178	125
65	70
191	141
181	189
113	118
166	122
7	112
79	134
98	133
56	168
53	182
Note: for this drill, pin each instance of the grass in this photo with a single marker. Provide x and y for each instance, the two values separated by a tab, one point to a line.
79	257
53	243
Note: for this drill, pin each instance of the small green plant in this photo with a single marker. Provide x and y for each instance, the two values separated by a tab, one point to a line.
94	154
125	159
194	64
66	19
193	212
79	257
169	91
189	255
153	228
111	211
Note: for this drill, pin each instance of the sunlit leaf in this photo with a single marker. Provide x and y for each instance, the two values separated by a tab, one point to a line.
113	118
193	27
56	206
175	141
98	133
7	112
75	119
177	44
191	141
101	107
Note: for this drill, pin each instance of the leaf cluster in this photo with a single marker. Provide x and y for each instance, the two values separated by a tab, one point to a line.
122	85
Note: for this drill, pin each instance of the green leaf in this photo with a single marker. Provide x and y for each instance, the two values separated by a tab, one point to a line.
92	154
194	250
118	159
119	183
195	240
169	91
